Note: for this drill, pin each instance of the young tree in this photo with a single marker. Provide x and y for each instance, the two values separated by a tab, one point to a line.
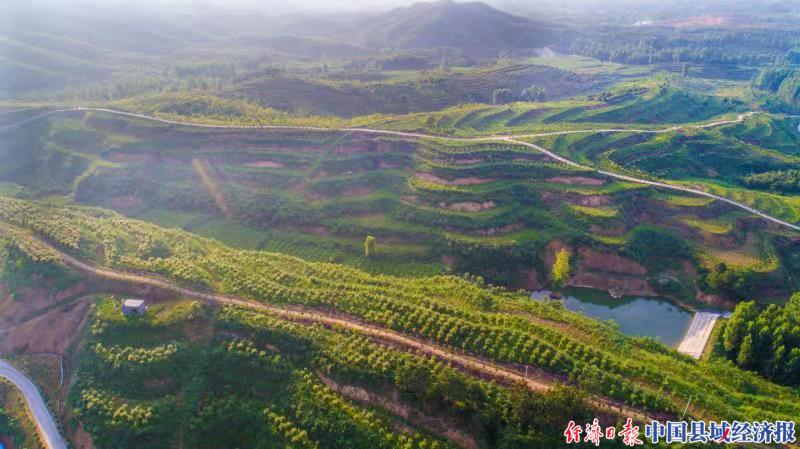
369	246
736	327
746	355
560	272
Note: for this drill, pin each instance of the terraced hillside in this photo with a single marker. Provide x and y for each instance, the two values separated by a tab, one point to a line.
457	314
492	208
349	231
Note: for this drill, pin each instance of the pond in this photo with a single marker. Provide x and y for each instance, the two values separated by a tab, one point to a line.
641	316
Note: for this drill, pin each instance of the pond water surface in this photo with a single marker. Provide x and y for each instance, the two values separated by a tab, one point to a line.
641	316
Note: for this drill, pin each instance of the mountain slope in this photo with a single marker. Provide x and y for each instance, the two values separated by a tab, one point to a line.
447	23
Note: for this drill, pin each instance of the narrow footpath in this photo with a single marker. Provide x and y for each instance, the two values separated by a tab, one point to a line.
468	363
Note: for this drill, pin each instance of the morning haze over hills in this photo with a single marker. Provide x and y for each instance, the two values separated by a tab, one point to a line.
450	24
397	224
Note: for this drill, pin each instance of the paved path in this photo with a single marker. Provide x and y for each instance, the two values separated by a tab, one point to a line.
513	139
41	415
698	334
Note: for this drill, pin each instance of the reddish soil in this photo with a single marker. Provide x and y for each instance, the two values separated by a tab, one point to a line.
558	198
532	280
701	21
468	206
576	180
714	300
80	439
596	260
603	270
32	300
264	164
52	332
452	182
607	271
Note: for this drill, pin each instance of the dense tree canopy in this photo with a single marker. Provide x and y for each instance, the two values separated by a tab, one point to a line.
766	340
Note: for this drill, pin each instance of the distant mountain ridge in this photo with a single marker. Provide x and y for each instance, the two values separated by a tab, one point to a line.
451	24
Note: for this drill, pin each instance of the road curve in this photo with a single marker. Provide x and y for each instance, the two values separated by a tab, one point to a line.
467	362
41	415
512	139
658	184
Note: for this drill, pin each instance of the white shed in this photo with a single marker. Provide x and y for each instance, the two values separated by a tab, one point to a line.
133	307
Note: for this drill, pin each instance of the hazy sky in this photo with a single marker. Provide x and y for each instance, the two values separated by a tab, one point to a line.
274	6
521	7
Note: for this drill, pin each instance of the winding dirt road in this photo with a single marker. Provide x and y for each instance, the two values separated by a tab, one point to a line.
466	362
512	139
41	415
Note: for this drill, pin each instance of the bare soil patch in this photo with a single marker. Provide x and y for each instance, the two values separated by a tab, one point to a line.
607	271
32	300
52	332
468	206
80	438
558	198
599	260
576	180
452	182
264	164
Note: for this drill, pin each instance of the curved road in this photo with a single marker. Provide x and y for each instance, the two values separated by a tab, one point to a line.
505	138
41	415
467	362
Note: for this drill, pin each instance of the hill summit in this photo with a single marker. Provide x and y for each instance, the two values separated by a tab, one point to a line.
451	24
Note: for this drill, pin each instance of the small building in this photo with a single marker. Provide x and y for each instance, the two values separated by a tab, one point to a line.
133	307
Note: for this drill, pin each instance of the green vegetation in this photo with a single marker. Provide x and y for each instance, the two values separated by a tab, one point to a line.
767	340
254	380
369	246
453	311
787	181
560	272
15	421
783	83
20	269
281	194
483	208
